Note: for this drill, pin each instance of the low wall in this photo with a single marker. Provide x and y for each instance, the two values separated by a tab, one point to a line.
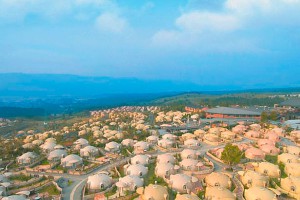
214	157
239	188
23	184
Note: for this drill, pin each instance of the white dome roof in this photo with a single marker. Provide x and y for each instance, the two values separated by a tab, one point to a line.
99	181
58	153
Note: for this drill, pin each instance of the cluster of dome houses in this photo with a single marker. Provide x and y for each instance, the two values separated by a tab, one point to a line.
178	161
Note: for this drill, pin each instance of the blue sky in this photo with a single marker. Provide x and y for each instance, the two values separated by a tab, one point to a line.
250	43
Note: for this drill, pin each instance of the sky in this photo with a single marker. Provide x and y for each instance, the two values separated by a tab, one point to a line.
251	43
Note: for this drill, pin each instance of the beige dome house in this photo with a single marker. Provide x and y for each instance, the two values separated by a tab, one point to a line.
192	143
99	182
269	149
186	197
255	127
252	134
136	170
169	136
140	159
216	179
292	169
112	147
261	142
219	193
211	138
189	154
164	170
152	139
228	135
239	129
57	155
188	136
293	150
27	158
268	169
291	184
287	158
128	142
141	146
72	161
80	143
253	179
272	136
153	192
165	143
255	193
48	146
199	133
129	183
254	154
191	165
182	183
89	152
165	158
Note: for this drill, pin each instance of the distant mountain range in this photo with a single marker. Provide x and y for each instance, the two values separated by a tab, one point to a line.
58	85
42	85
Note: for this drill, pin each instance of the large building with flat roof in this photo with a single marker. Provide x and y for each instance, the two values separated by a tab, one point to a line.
233	113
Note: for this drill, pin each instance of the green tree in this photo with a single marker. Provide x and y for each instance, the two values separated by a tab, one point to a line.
264	117
231	155
273	116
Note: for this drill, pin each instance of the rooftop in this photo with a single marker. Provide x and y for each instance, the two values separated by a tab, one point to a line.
233	111
291	102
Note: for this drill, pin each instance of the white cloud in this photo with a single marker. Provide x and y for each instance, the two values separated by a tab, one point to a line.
111	22
198	22
203	28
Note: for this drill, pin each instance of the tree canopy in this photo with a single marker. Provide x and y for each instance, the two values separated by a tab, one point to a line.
232	154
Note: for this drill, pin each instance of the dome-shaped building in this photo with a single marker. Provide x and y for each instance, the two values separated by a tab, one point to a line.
253	179
27	158
89	152
57	155
164	170
182	183
112	147
165	158
218	193
136	170
254	154
191	164
129	183
140	159
192	143
287	158
255	193
128	142
99	182
71	161
216	179
189	154
155	192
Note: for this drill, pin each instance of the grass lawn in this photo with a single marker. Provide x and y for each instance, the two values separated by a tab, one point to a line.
271	159
20	177
45	162
51	190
